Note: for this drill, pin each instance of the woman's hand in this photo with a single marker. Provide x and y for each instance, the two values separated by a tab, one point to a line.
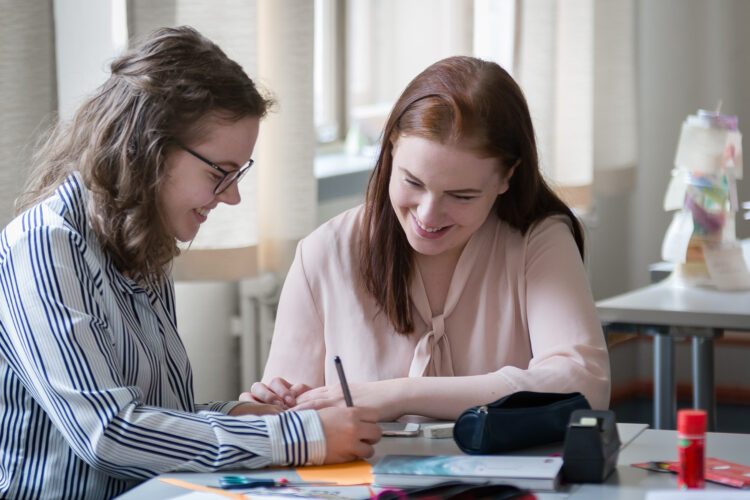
383	395
278	392
349	432
255	409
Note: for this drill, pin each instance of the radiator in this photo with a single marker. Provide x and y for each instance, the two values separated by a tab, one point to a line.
259	298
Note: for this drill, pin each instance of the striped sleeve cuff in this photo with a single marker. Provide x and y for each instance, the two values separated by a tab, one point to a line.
219	406
297	438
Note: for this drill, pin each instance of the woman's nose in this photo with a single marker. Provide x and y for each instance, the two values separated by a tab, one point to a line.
231	196
429	209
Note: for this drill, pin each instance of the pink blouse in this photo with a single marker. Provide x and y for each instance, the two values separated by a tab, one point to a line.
518	307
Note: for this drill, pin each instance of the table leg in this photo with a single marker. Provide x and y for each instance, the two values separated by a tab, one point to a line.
665	399
703	378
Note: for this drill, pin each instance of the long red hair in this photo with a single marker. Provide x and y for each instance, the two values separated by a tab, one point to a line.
477	106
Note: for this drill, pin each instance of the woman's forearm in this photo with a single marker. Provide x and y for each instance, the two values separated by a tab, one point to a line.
444	398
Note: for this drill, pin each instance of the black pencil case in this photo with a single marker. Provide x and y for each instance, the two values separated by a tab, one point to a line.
519	420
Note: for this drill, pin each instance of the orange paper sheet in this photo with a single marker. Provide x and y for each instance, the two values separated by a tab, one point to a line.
359	472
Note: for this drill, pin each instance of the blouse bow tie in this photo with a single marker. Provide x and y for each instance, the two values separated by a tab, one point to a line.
432	356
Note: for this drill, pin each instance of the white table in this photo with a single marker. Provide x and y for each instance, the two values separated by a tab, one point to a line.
626	483
669	310
153	488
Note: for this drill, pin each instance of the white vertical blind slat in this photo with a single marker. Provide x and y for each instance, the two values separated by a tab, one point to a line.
287	190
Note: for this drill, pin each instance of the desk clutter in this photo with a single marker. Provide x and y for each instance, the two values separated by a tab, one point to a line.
540	423
727	465
592	441
591	444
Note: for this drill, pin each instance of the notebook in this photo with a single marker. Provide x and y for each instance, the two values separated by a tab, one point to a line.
527	472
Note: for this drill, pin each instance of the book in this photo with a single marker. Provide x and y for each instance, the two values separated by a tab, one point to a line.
527	472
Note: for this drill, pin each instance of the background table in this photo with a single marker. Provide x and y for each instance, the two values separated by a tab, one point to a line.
668	310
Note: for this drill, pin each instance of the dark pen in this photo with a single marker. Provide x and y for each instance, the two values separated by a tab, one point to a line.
342	379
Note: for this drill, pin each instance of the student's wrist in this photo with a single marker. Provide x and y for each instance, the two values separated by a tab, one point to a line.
254	408
286	438
402	392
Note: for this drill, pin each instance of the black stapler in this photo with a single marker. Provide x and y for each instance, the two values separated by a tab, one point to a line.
591	446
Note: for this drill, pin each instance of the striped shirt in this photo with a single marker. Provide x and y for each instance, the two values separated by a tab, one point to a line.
96	386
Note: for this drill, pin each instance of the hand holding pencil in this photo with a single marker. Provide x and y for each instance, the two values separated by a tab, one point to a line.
361	436
349	432
299	396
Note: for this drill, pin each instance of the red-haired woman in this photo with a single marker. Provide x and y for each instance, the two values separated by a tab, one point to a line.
461	278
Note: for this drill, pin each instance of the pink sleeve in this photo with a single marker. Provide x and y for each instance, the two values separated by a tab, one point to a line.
569	352
298	348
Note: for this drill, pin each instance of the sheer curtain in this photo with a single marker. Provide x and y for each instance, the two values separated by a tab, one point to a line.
575	60
28	98
287	192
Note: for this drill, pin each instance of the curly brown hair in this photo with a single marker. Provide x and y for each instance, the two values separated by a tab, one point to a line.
157	96
466	102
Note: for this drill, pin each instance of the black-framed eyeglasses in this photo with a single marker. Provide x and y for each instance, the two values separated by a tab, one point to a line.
227	177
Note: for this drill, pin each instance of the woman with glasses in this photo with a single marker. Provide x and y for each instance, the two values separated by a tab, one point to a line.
97	390
459	281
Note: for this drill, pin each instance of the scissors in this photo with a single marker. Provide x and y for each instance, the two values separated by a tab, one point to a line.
237	482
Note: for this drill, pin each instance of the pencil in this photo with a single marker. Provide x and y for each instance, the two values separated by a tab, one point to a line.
342	379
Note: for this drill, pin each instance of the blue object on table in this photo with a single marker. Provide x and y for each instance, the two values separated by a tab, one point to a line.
237	482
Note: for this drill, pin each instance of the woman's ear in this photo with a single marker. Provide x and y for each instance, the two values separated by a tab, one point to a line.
505	184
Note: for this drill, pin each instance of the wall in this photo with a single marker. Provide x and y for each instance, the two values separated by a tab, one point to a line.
205	315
